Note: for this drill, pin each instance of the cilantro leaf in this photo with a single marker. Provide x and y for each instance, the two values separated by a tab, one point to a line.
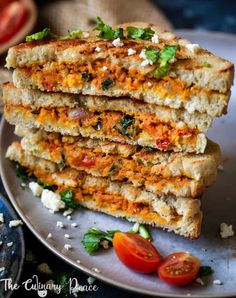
21	173
46	32
143	33
167	53
77	33
93	237
152	54
123	126
107	32
206	64
67	197
205	271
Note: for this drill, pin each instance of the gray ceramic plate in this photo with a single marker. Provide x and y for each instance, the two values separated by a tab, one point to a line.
12	258
219	205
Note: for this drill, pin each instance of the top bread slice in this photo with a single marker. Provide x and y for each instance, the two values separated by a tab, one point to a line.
196	77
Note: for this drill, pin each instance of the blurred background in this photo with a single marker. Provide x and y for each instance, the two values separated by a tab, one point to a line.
60	15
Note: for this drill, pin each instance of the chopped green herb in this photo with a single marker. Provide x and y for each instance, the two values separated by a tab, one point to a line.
106	31
123	126
107	83
72	35
67	197
149	149
152	54
144	233
205	271
92	239
87	76
206	64
21	173
167	53
63	280
143	33
47	33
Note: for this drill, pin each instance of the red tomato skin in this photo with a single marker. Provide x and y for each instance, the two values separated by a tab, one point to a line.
12	17
181	280
124	244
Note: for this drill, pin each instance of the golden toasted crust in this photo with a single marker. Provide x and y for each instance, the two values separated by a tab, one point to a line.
181	215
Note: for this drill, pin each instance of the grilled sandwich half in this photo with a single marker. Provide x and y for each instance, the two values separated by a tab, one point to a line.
181	215
193	79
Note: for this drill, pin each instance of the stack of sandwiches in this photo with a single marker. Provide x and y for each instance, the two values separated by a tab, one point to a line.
119	117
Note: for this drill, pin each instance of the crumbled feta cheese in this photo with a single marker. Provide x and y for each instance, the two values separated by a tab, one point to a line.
44	268
131	52
67	236
200	281
98	49
68	212
74	225
145	61
217	282
193	47
52	200
1	218
117	43
78	261
60	224
104	68
69	217
135	227
96	269
226	231
155	38
49	236
105	244
67	247
149	84
35	188
9	244
15	223
2	269
91	280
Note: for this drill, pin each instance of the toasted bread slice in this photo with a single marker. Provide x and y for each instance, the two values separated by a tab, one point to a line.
36	99
181	215
110	125
58	66
141	166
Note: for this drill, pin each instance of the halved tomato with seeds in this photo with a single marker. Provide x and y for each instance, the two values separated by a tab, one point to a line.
179	269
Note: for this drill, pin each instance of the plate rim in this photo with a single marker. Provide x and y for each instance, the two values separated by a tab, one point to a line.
82	267
15	214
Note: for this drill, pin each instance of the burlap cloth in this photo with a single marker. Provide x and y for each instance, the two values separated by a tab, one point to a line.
65	15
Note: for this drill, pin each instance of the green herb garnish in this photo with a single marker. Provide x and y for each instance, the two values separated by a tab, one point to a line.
123	126
143	33
87	76
149	149
107	83
92	239
167	53
107	32
205	271
47	33
143	231
67	197
206	64
21	173
151	54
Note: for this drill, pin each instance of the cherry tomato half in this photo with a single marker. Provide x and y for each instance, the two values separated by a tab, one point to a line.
12	17
179	268
136	252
